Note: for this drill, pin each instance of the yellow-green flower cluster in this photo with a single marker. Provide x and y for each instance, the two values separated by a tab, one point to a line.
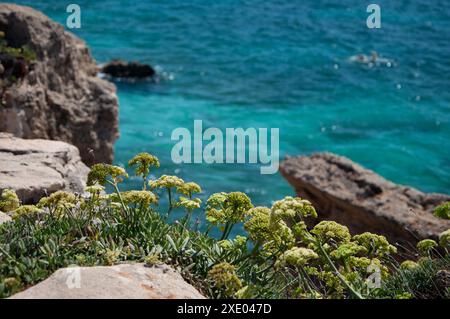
58	201
167	181
95	189
143	161
296	257
409	265
143	198
443	211
26	211
292	209
224	278
366	266
425	246
331	232
9	201
444	239
346	250
189	189
238	243
189	204
258	225
376	245
100	172
225	208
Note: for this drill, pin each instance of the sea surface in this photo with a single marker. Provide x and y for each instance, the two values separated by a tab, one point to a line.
281	64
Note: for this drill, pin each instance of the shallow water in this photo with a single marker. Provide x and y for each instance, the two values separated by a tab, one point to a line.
282	64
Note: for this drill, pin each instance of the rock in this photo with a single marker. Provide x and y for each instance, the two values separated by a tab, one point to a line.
4	218
343	191
127	281
60	97
35	168
122	69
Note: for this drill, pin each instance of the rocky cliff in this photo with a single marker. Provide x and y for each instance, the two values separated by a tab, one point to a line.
343	191
56	95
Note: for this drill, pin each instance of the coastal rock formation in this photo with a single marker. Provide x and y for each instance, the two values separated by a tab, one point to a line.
59	97
343	191
122	69
4	218
127	281
35	168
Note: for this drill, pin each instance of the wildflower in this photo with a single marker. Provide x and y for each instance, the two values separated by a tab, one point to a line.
225	208
111	256
167	181
331	232
26	210
224	277
9	200
144	198
444	239
348	249
95	189
189	204
152	260
409	265
214	208
99	174
189	189
292	209
297	256
258	224
225	244
58	201
425	246
376	245
11	283
143	161
443	211
236	206
366	266
281	240
240	241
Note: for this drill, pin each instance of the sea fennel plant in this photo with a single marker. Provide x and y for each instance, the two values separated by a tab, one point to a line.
278	255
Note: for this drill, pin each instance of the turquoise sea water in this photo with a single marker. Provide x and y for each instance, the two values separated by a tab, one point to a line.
281	63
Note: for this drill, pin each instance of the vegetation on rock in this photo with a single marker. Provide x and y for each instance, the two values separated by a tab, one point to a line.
278	257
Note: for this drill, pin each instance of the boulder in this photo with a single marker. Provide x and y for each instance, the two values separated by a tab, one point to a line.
36	168
126	281
122	69
343	191
59	95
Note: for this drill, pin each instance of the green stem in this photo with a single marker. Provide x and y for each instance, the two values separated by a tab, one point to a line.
338	274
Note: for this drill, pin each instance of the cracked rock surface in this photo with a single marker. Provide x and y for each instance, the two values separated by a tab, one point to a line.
36	168
130	281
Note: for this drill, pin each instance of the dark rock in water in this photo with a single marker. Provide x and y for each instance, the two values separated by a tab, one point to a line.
122	69
343	191
60	97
